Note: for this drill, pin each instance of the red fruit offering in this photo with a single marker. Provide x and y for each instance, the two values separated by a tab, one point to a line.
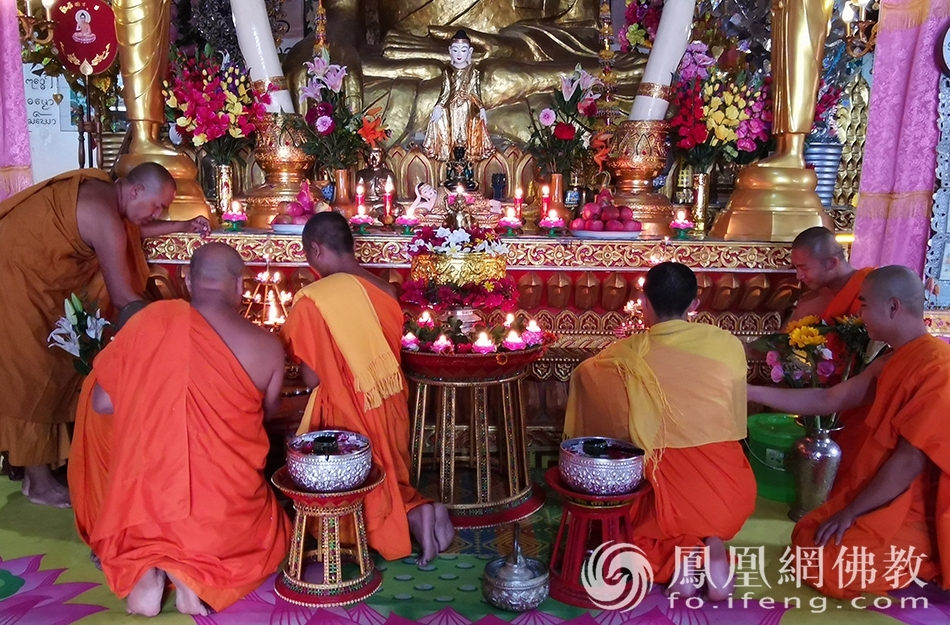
595	224
614	225
295	209
282	219
578	224
626	213
300	220
633	226
589	224
591	208
610	213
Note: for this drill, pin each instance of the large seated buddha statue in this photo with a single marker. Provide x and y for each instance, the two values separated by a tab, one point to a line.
522	48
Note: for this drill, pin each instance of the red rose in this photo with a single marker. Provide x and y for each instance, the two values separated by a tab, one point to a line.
563	131
324	109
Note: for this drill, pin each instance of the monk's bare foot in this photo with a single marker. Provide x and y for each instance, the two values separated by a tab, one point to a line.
684	584
719	586
444	530
40	487
146	596
422	526
186	601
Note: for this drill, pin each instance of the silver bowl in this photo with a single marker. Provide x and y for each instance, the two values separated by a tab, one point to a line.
515	583
329	461
600	466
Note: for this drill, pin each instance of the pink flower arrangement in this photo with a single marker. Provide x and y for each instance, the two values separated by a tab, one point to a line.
211	103
642	18
547	117
561	135
499	293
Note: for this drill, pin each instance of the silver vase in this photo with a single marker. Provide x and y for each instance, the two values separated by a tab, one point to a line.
467	316
825	157
815	459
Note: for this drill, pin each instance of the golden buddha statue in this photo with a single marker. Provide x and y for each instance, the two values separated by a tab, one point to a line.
452	124
142	27
374	177
521	48
775	199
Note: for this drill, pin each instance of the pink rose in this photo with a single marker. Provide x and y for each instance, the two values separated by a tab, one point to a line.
546	117
825	368
325	125
778	374
772	359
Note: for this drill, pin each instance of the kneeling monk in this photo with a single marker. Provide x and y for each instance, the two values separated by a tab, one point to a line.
891	508
188	387
345	329
678	391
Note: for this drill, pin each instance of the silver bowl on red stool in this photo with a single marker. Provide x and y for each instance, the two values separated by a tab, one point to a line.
600	466
329	461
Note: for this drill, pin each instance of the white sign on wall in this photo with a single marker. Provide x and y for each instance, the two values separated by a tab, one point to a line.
54	143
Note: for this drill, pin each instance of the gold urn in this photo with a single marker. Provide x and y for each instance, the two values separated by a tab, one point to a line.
476	267
637	155
280	155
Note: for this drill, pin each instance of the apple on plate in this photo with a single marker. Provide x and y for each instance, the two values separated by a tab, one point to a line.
282	219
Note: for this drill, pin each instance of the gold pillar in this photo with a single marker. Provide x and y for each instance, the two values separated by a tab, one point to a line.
142	27
775	198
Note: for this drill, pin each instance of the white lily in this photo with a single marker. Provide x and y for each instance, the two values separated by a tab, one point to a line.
64	337
443	233
95	326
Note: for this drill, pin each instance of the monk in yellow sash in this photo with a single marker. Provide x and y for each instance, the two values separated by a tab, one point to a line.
345	330
678	391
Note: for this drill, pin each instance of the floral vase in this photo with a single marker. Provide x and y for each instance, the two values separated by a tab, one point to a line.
815	459
342	200
557	199
224	189
825	158
700	204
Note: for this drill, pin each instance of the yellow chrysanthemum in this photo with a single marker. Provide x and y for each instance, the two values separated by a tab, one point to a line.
810	320
805	336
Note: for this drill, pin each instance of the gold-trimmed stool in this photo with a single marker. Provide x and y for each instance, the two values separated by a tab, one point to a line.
329	510
502	498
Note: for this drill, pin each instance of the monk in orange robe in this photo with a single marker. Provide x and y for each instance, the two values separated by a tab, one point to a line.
678	391
893	504
345	330
188	387
833	288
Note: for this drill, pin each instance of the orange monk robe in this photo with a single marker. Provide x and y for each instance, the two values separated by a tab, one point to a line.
679	392
855	431
337	404
43	260
911	401
185	490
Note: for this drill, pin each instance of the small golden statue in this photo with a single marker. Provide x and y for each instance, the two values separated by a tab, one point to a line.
458	118
457	214
374	178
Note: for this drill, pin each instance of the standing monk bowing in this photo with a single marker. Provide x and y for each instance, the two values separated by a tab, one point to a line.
189	386
678	391
65	235
345	330
893	500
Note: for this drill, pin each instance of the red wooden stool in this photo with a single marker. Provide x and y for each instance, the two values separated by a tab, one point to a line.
588	520
329	509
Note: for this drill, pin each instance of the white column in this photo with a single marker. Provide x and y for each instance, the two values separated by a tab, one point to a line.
672	37
260	53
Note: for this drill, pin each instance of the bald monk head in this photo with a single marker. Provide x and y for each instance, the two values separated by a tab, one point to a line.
145	192
819	259
216	275
670	290
892	305
328	243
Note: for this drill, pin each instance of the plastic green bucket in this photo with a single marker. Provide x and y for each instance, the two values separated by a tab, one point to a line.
771	437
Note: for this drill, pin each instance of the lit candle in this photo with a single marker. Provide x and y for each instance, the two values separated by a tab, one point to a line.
511	213
247	295
425	320
519	200
680	215
640	282
483	345
442	345
509	319
460	190
533	334
410	342
514	342
388	197
545	198
552	214
360	191
411	212
236	207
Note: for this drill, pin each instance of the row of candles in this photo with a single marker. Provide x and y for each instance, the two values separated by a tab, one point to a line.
533	335
268	293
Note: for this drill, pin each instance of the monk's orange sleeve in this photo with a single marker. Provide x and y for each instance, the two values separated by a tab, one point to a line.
924	419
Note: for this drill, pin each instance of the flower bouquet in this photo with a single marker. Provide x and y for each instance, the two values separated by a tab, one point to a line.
825	127
641	20
80	333
560	136
338	137
211	103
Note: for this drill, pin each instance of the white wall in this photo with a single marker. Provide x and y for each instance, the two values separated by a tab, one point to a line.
54	142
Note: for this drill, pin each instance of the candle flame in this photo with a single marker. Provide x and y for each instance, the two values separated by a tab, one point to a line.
519	193
680	215
360	188
425	317
236	207
509	319
442	340
640	282
545	190
511	213
513	336
552	214
483	339
410	336
389	184
460	190
533	326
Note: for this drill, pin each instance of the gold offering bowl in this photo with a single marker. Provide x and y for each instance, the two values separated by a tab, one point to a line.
281	157
638	154
476	268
